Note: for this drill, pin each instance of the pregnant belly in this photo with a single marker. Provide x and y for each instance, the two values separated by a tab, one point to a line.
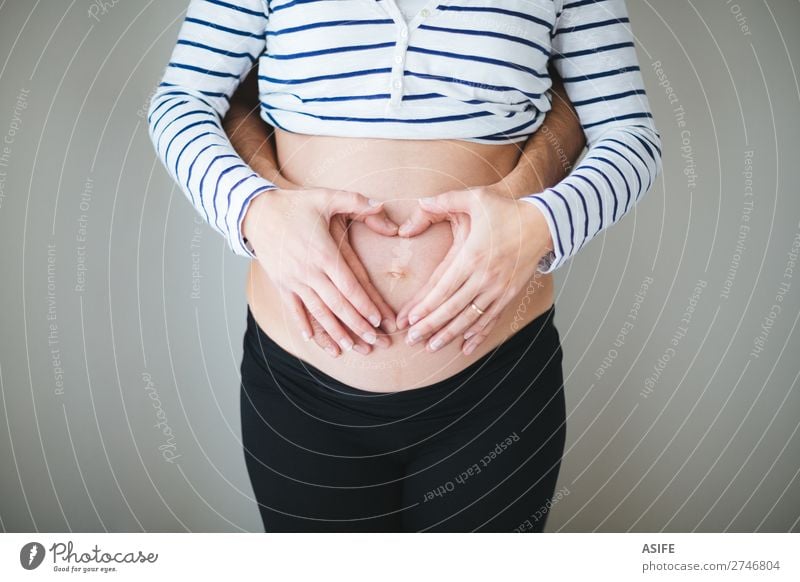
398	173
399	267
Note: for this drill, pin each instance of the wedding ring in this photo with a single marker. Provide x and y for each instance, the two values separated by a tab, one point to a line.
476	308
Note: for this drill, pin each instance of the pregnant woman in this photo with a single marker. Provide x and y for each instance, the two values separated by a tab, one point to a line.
405	219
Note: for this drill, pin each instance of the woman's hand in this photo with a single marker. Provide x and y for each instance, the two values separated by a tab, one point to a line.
498	242
290	231
340	226
339	230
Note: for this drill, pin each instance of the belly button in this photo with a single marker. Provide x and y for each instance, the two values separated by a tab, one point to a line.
396	274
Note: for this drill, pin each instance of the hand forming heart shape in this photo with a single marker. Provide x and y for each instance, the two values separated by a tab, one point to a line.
497	244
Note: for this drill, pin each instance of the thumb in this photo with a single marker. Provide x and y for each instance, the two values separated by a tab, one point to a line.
452	201
353	204
419	221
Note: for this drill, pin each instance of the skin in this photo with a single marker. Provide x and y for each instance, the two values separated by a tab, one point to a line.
309	274
478	268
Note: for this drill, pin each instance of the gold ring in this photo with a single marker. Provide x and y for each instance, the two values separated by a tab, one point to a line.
476	308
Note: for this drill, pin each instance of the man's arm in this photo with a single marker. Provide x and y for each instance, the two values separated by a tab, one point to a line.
251	137
623	157
550	152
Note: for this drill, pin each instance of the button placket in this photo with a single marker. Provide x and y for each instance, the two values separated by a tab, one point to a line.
401	46
398	67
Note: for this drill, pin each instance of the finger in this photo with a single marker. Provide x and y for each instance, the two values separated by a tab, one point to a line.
476	340
344	312
353	205
338	230
339	272
481	328
387	316
387	325
402	315
298	313
462	321
361	347
446	312
459	238
420	221
478	326
323	339
451	201
452	279
360	273
347	202
330	323
381	224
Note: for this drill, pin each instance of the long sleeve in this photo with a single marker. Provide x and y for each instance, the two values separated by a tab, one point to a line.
593	52
217	45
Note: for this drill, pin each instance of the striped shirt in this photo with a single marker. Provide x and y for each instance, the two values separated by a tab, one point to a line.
473	70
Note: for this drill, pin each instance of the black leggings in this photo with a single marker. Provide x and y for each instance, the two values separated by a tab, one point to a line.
479	451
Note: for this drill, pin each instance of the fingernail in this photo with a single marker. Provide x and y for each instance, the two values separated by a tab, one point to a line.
346	343
332	351
469	334
375	320
412	319
436	344
363	350
369	337
469	348
306	337
413	336
389	325
373	202
403	229
426	200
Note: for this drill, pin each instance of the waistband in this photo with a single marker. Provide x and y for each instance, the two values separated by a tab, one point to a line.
487	365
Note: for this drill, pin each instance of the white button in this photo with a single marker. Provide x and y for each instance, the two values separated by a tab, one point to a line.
424	13
397	84
398	58
404	33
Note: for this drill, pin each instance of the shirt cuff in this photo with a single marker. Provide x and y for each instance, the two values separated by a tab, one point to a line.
238	242
552	260
546	263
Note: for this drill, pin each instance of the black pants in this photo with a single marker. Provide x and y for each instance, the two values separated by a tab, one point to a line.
479	451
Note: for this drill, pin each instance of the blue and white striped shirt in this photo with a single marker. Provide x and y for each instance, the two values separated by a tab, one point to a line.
474	70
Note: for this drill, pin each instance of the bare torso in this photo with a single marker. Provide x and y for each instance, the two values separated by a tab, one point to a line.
398	172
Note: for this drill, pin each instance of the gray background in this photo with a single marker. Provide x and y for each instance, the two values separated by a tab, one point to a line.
713	446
